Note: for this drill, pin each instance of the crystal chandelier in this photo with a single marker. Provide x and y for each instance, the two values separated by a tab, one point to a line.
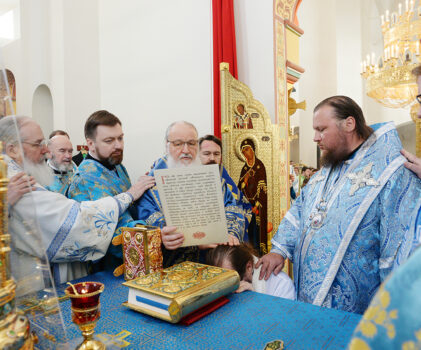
389	78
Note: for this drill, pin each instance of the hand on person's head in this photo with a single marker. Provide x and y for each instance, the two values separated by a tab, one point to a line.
232	240
270	262
143	184
18	186
413	163
171	239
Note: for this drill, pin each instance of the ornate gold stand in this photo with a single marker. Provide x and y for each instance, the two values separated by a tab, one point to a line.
84	298
14	328
89	343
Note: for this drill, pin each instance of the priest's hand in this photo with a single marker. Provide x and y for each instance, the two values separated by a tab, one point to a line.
143	184
270	262
244	285
232	240
18	186
413	162
171	239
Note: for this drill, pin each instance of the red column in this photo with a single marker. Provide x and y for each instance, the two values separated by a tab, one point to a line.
224	50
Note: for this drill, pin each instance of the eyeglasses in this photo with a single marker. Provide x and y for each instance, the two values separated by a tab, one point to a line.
180	144
418	99
37	144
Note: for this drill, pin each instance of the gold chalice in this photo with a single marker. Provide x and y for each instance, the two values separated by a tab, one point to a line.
84	297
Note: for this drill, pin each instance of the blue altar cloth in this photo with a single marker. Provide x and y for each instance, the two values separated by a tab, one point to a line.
249	321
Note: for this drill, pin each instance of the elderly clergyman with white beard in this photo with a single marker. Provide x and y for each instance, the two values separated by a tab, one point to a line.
61	163
182	148
72	233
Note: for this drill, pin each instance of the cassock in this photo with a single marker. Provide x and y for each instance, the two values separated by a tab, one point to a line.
71	233
344	231
62	179
149	209
94	180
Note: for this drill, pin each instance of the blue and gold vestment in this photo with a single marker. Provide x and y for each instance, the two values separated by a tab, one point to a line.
149	209
240	199
344	231
62	179
393	318
93	181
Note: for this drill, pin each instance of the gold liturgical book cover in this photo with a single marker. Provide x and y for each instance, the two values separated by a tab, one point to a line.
177	291
141	251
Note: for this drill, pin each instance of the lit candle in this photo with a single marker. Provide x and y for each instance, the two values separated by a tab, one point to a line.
373	59
382	17
406	5
400	9
412	5
396	51
368	60
387	15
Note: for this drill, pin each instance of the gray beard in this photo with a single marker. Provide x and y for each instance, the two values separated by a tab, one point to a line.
62	167
176	163
42	173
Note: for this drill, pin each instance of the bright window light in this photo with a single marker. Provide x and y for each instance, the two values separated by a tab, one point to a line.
7	28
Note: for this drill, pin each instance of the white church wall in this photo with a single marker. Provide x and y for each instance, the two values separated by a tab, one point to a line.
348	49
147	62
156	68
27	57
80	61
254	37
318	57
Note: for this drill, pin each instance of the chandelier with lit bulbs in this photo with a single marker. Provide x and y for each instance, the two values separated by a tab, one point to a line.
389	78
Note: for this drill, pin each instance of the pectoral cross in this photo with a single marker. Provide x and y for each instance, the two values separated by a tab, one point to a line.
361	179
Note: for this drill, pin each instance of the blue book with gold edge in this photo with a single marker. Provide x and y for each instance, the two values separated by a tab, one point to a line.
179	290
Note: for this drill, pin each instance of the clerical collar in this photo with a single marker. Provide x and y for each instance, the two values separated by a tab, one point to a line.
352	154
56	171
104	163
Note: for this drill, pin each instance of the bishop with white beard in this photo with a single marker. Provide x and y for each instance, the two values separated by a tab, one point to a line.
181	142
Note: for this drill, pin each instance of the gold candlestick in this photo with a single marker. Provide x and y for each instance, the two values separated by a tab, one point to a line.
14	328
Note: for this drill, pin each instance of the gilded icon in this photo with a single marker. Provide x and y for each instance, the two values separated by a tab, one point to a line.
253	183
242	119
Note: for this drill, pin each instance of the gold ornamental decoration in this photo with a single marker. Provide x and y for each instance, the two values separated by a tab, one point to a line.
14	328
389	78
252	150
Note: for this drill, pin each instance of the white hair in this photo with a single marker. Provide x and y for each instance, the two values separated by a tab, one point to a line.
10	128
167	132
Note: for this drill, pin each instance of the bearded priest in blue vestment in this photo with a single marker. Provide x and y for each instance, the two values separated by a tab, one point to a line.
101	173
344	232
